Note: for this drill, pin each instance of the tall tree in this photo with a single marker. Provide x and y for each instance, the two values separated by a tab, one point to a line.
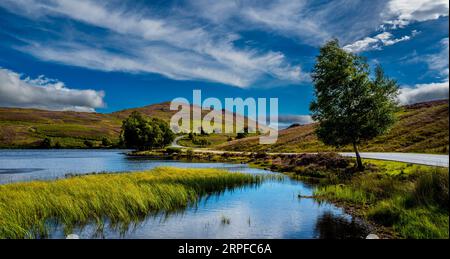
350	106
145	133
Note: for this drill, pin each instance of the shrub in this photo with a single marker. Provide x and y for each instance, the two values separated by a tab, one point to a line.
88	143
241	135
432	189
201	142
261	155
173	150
58	144
46	143
106	142
145	133
328	160
190	154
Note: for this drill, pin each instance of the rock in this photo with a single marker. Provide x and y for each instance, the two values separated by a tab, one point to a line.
372	236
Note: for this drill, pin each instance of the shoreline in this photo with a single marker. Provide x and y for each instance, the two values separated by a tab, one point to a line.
393	172
354	211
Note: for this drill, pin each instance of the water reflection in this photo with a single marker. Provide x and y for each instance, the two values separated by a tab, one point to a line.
332	226
270	210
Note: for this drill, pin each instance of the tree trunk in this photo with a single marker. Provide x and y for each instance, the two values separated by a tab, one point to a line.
359	163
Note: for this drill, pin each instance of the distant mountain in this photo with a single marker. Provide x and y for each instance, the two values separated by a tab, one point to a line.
421	127
28	127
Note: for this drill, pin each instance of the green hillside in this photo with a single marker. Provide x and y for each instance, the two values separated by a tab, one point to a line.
420	128
27	128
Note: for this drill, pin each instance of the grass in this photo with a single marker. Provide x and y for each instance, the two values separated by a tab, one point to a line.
225	220
26	128
28	210
412	200
213	139
21	128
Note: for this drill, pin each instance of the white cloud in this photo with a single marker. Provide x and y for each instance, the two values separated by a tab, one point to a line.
44	93
399	13
310	22
377	42
168	46
439	62
423	93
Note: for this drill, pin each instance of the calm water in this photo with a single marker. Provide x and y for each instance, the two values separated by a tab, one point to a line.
270	210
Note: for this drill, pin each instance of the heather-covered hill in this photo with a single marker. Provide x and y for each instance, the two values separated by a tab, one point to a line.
420	128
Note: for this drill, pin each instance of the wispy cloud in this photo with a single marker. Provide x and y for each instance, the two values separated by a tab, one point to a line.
399	13
377	42
439	62
438	65
309	22
45	93
200	39
147	43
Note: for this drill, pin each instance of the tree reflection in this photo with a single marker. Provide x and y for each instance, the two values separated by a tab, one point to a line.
330	226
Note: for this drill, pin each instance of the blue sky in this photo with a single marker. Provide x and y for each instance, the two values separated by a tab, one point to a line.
109	55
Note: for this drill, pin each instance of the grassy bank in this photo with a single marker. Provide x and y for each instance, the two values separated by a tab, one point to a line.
27	209
411	200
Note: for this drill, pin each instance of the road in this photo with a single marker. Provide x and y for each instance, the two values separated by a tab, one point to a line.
175	142
413	158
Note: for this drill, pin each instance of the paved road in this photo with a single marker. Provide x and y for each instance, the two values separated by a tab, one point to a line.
414	158
175	142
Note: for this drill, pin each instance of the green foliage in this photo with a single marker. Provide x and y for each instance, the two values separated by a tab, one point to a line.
349	106
173	150
201	142
46	143
432	189
89	143
190	154
58	144
106	142
121	199
410	199
144	133
424	222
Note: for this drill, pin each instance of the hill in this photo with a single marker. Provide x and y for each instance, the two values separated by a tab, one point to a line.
421	128
26	128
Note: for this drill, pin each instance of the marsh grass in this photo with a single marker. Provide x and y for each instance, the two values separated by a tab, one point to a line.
413	200
28	209
224	220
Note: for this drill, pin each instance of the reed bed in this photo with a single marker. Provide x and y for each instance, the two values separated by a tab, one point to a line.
27	210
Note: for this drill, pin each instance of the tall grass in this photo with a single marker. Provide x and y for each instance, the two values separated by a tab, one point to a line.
414	204
26	209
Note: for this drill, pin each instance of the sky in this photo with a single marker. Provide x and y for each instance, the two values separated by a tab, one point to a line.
106	56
